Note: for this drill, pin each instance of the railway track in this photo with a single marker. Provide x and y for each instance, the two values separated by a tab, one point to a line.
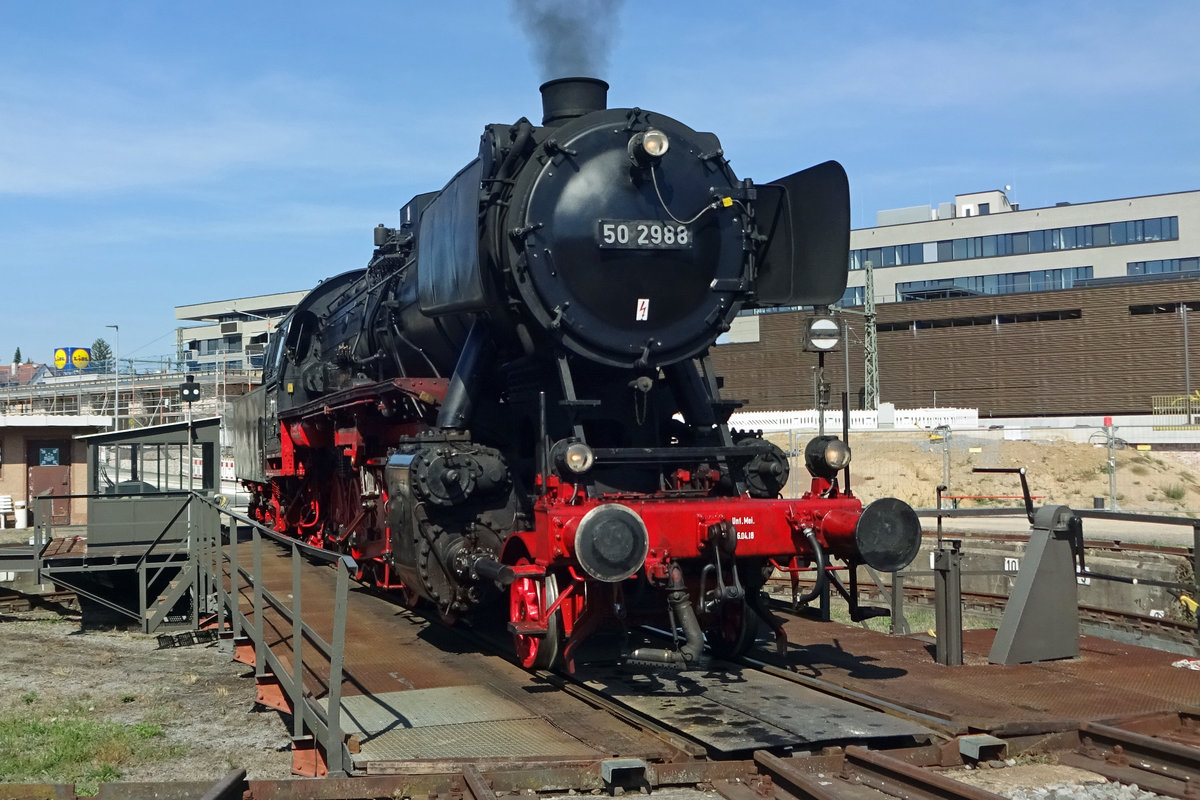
13	601
992	606
725	710
1143	751
855	773
1160	753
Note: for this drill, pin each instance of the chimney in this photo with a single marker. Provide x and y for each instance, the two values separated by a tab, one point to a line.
567	98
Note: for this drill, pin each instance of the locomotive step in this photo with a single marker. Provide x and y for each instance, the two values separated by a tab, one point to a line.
867	612
526	629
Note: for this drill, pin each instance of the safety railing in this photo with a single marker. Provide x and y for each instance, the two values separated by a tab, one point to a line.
204	541
163	556
224	578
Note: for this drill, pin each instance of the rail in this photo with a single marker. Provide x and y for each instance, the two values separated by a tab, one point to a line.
956	498
849	775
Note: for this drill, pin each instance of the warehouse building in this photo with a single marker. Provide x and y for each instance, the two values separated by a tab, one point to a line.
1071	309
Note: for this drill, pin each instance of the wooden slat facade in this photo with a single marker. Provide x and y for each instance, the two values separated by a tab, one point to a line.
1106	361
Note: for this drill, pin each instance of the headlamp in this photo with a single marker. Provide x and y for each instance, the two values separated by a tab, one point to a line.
578	458
824	456
648	146
837	454
655	143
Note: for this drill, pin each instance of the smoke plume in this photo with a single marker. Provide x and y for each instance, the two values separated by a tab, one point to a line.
570	38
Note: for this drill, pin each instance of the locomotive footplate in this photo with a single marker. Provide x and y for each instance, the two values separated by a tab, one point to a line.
734	710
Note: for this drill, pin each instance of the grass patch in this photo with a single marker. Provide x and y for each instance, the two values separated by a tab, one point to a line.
73	749
920	618
1175	493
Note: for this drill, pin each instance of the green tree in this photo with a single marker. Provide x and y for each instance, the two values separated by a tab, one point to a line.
17	356
102	355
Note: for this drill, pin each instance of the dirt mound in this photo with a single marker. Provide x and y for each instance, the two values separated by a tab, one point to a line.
911	465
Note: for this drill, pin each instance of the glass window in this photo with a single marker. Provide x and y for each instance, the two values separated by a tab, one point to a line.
1172	231
960	248
1037	241
1068	238
1154	230
945	250
989	246
985	208
1100	235
1020	243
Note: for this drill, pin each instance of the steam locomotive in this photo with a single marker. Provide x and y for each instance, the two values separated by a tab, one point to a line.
513	403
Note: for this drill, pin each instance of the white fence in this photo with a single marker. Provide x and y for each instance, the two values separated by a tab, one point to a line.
888	417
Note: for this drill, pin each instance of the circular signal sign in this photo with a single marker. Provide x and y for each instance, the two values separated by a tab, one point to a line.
60	358
80	358
824	334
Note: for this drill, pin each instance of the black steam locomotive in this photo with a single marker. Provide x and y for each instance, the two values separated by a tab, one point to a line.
513	401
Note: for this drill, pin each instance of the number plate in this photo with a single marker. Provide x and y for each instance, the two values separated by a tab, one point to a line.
642	234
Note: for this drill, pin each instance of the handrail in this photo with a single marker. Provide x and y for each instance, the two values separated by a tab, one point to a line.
325	724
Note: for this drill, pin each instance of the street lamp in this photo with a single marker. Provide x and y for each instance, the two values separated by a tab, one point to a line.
116	377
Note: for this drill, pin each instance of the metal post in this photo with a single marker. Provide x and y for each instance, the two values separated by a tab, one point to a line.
260	641
197	558
846	348
234	581
116	378
870	343
944	431
822	394
1187	367
1112	468
298	705
947	594
1196	571
899	623
817	402
333	715
143	598
218	566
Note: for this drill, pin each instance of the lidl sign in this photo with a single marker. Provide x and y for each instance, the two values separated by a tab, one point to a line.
69	358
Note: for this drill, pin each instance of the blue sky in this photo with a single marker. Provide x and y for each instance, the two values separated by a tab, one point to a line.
155	154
